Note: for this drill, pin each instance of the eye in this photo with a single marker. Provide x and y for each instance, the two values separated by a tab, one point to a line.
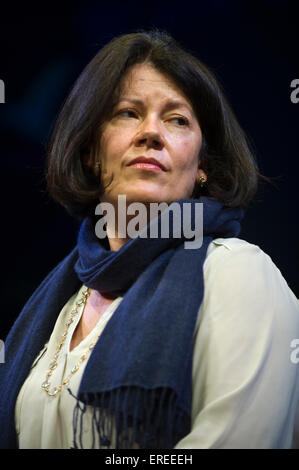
181	121
126	113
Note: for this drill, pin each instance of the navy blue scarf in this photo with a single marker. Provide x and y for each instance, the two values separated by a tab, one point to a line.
138	376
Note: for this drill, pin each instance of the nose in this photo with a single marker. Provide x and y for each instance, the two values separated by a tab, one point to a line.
150	135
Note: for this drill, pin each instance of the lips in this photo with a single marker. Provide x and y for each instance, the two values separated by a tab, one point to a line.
148	162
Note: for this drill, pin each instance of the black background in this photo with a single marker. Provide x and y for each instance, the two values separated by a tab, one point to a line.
253	49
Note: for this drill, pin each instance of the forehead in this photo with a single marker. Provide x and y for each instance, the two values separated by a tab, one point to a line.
145	80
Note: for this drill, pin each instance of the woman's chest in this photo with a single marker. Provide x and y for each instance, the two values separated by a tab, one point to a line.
94	309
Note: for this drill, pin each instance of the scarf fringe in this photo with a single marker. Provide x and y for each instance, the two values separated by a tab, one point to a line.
157	421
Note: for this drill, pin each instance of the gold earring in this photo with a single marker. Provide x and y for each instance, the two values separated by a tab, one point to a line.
97	168
202	181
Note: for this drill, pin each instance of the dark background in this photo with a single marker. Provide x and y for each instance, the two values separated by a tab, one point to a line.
252	48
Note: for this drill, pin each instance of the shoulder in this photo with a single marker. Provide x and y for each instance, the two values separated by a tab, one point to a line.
237	256
233	257
240	275
226	247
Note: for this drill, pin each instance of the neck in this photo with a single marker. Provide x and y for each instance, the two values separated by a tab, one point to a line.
123	226
115	242
120	234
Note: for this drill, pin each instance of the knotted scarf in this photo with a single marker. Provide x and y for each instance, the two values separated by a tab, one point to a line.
138	379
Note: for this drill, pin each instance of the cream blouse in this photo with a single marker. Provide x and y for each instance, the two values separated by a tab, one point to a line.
245	385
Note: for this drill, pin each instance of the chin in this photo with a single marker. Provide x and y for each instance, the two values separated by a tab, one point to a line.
144	197
143	194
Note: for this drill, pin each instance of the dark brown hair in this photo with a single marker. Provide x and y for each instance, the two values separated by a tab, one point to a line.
225	154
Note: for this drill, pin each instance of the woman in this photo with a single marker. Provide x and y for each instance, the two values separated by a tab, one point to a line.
137	341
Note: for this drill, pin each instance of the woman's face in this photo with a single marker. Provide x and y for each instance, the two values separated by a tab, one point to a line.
153	119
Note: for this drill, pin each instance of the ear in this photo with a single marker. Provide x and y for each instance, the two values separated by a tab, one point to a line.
89	160
201	176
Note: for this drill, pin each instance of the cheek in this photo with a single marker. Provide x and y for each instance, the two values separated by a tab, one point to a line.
188	154
112	145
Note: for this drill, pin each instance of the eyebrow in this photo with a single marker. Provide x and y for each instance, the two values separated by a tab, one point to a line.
169	105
